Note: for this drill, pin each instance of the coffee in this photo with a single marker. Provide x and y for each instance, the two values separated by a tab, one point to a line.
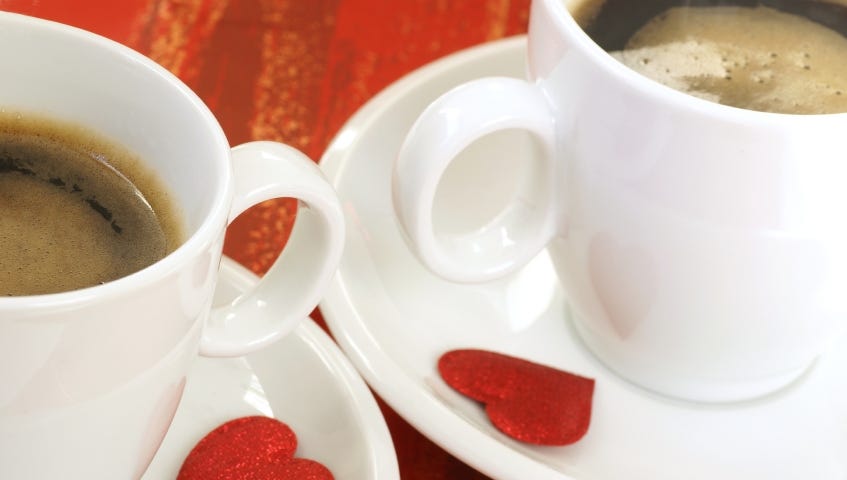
76	210
785	56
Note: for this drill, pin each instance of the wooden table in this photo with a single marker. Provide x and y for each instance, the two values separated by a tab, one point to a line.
294	71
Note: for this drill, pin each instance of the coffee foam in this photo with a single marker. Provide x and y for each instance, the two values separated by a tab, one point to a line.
754	58
45	252
76	209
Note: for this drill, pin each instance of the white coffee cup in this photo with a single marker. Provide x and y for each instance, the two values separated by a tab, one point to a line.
702	248
90	379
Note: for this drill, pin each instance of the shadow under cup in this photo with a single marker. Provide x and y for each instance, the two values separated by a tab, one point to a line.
702	249
93	377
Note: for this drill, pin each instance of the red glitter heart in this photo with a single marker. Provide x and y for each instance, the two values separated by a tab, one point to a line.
529	402
250	448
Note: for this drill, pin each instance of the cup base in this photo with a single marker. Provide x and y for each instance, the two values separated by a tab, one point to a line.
667	384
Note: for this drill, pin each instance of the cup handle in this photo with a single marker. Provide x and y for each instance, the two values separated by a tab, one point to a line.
294	284
445	128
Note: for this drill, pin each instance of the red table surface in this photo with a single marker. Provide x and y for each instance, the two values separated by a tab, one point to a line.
294	71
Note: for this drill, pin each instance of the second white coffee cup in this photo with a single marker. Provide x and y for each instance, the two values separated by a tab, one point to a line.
702	247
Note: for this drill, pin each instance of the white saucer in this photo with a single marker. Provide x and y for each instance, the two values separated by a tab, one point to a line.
394	319
303	380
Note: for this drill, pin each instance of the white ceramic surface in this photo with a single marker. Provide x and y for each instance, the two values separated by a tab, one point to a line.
81	366
303	380
394	318
703	247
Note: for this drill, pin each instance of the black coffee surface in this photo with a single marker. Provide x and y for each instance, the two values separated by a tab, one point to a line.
75	210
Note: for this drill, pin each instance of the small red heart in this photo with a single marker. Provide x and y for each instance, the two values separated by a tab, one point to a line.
250	448
529	402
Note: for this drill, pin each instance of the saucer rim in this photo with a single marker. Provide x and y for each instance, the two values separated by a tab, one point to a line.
382	458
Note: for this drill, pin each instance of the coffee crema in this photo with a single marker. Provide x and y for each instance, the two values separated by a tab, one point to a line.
783	57
76	210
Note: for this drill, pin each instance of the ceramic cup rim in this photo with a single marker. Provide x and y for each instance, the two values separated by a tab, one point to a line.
668	97
216	213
